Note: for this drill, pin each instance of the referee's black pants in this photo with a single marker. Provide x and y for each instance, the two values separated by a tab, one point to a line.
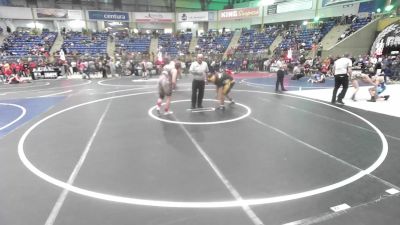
340	80
198	92
279	82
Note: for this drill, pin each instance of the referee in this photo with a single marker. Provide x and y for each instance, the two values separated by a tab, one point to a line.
342	71
199	70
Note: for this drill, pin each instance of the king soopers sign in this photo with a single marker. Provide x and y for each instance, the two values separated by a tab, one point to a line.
238	13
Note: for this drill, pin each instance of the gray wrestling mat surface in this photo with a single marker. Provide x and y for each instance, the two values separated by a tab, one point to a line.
95	152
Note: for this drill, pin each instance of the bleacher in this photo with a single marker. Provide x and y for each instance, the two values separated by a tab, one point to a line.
26	44
212	42
359	23
76	42
252	41
134	44
306	37
356	24
174	45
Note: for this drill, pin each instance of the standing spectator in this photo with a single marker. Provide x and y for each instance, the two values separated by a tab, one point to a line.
342	71
103	68
112	67
267	63
199	70
319	50
280	75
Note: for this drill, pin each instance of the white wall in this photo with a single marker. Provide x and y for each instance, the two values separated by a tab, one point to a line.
323	12
155	25
10	24
92	25
67	25
188	25
15	13
24	23
3	25
339	10
233	24
297	15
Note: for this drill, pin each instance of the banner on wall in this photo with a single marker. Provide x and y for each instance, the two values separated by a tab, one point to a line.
233	14
387	41
339	2
108	16
154	17
51	13
193	16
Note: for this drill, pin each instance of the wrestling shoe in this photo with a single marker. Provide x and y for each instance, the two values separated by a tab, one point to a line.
221	107
168	113
372	99
386	97
340	102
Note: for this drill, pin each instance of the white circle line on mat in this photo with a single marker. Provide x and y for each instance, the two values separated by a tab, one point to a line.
199	204
150	112
23	112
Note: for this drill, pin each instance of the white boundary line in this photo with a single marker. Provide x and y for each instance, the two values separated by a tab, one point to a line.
148	80
58	93
68	86
101	82
212	204
60	201
244	81
250	213
23	112
209	109
131	89
6	88
150	112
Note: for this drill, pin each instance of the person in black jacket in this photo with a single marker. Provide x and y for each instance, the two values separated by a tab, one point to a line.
280	75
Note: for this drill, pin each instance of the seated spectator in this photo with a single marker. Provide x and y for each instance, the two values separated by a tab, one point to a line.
297	74
317	78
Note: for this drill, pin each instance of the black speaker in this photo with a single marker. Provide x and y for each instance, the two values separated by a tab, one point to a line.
117	4
31	2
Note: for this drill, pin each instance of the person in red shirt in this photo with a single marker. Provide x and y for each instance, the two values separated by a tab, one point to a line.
18	69
13	67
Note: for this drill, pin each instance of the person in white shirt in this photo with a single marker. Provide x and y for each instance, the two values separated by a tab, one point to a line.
342	71
199	70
